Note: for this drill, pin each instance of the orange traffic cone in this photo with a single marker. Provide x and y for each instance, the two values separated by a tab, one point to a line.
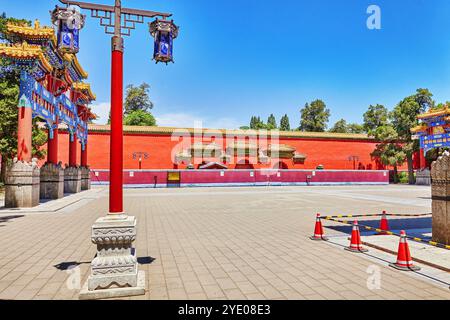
404	260
318	231
384	224
355	242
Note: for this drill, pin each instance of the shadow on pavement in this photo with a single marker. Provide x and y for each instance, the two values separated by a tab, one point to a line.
7	219
70	265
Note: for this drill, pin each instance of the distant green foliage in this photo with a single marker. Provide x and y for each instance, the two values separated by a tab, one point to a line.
285	124
137	98
375	117
314	117
139	118
340	127
272	122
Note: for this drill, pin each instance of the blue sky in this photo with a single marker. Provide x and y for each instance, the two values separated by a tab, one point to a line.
238	58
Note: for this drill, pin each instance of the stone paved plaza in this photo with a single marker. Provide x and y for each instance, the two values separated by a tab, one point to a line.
218	243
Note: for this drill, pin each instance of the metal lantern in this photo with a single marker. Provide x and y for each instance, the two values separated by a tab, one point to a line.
68	21
164	32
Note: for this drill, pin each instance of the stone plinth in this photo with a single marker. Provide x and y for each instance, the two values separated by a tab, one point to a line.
85	178
22	184
72	180
114	271
52	182
423	177
440	190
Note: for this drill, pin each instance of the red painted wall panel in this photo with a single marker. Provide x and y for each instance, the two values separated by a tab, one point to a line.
332	154
250	177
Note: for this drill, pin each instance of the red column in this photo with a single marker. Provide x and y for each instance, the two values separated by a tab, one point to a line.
116	138
52	144
423	161
84	156
73	151
24	132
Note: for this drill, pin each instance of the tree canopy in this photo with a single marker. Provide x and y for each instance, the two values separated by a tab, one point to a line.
314	117
139	118
375	117
137	98
285	124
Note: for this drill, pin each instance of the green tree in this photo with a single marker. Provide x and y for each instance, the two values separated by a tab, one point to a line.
9	97
355	128
139	118
137	98
314	117
389	151
375	117
404	117
340	127
285	124
272	122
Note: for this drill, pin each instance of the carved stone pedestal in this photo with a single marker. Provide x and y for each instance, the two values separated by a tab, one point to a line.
85	178
114	271
72	180
52	182
423	177
440	190
22	185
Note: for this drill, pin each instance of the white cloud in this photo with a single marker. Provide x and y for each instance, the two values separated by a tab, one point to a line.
102	111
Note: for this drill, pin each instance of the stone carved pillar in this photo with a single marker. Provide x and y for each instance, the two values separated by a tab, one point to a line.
440	190
423	177
52	181
72	180
85	178
114	271
22	184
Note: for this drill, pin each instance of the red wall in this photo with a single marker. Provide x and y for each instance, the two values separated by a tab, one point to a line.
247	177
332	153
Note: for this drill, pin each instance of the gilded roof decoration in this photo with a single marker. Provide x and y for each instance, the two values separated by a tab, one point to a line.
434	113
35	32
25	51
85	88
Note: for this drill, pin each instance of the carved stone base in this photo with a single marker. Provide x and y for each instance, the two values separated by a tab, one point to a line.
72	180
423	177
139	290
52	182
85	178
440	191
115	266
22	185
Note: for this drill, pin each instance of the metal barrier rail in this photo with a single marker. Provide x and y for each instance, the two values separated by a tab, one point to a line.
378	215
431	243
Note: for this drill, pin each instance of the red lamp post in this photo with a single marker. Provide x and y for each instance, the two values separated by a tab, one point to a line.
119	22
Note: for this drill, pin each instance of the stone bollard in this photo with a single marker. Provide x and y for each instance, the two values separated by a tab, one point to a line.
52	181
440	191
423	177
85	178
72	180
114	270
22	184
